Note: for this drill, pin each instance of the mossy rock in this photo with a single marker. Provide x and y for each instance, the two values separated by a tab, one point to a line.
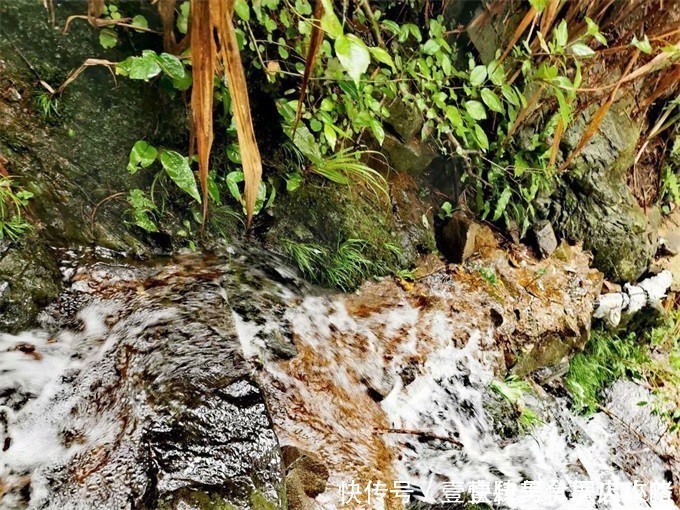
205	499
29	279
593	203
327	215
74	161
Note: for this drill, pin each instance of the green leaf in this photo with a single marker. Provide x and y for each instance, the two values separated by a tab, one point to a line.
329	21
183	18
391	26
453	115
492	100
141	207
502	203
481	137
178	169
594	30
329	133
581	50
142	154
140	68
242	10
539	5
377	130
171	66
496	73
382	56
478	76
431	47
108	38
183	83
446	65
561	34
353	55
644	46
142	220
476	110
233	179
140	21
293	181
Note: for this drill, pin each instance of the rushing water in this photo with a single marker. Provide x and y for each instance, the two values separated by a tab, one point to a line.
144	385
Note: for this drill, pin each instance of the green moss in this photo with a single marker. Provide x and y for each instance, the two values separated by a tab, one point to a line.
259	501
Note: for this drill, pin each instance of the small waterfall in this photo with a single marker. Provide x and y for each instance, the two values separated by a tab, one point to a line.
165	383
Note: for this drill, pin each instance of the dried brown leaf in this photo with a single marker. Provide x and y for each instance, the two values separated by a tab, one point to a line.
203	61
222	13
166	11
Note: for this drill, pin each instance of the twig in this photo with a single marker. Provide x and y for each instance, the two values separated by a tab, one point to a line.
42	82
421	433
374	23
663	456
88	63
101	202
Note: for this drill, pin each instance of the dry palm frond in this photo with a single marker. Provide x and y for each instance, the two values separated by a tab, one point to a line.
90	62
221	15
95	8
526	21
315	40
203	61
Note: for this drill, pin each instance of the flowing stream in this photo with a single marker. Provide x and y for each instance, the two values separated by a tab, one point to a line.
146	383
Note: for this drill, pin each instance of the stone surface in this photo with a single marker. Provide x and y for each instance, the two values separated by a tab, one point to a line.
154	406
544	235
593	203
74	159
412	156
307	469
669	233
29	280
463	237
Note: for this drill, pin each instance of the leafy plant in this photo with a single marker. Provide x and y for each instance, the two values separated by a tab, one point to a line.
49	104
344	268
143	210
513	390
13	200
445	211
265	195
606	358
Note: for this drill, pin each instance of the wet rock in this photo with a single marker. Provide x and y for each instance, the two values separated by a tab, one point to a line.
306	477
158	409
328	216
29	279
594	204
669	233
73	160
405	119
545	238
311	471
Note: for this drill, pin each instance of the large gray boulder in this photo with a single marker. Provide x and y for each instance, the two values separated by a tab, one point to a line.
594	204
